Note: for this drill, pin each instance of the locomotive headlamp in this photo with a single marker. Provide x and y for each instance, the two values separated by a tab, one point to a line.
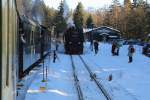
70	42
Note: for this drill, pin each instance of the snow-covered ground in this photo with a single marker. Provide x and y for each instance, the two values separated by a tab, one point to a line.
130	81
89	88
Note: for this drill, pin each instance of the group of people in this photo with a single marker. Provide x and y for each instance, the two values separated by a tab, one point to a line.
115	49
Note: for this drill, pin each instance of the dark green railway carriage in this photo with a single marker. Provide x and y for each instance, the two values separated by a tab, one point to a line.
20	47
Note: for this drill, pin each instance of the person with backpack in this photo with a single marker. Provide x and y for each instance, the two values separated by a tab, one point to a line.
117	49
131	50
118	45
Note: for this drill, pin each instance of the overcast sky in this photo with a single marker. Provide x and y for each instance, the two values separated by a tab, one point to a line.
86	3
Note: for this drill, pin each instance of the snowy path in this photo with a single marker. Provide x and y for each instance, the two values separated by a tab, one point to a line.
89	88
116	90
60	84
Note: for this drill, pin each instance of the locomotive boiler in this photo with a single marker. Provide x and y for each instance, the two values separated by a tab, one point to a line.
73	38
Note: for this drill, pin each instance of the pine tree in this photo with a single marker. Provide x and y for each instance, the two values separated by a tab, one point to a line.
78	16
137	21
141	19
147	19
107	18
59	21
115	14
89	21
127	7
49	14
126	17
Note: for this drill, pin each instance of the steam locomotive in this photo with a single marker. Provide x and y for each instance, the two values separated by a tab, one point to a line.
23	44
73	38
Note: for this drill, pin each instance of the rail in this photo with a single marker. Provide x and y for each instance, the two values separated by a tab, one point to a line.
93	76
77	83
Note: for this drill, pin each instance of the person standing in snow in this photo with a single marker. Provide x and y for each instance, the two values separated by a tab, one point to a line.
96	46
54	56
113	49
131	50
118	45
91	45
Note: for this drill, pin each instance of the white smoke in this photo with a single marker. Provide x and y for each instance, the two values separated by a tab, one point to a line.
39	18
68	17
66	9
70	22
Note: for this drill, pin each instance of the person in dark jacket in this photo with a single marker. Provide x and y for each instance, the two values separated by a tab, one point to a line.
54	56
113	49
96	46
131	50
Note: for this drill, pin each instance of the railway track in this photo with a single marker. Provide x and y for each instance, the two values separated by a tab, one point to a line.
76	80
93	77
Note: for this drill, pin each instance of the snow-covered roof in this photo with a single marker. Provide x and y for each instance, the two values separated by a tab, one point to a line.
28	20
89	30
32	22
111	28
113	36
85	30
104	34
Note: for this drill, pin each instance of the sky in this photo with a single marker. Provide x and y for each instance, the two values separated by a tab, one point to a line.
86	3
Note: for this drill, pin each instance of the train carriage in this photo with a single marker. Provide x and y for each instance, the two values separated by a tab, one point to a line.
8	49
29	44
33	45
21	40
